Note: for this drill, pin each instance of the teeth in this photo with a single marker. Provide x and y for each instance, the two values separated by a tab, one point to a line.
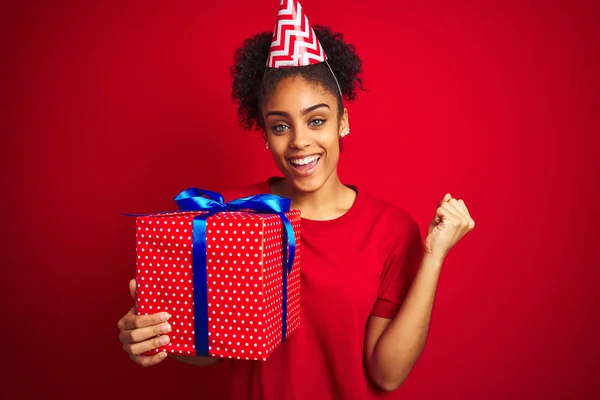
305	160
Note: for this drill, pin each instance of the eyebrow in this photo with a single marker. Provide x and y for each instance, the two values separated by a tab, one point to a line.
303	112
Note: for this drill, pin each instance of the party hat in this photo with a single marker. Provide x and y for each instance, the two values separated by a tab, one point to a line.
294	42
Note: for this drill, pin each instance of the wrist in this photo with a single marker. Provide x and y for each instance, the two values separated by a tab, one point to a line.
431	260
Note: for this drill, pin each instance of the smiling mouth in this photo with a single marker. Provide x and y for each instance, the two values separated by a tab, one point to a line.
306	163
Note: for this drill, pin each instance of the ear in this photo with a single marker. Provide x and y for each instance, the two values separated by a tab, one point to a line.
265	138
344	124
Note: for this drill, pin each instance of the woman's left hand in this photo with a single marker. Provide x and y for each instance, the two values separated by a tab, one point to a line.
452	221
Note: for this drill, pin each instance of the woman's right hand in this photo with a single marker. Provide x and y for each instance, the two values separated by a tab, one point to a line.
142	333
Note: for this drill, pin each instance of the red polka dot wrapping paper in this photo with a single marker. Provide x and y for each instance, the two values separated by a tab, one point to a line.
244	267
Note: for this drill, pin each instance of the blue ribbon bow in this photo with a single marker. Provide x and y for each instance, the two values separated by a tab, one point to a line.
194	199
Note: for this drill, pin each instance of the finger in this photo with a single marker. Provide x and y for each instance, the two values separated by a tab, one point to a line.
450	215
132	292
450	210
438	218
146	345
141	334
122	322
132	288
446	197
130	322
464	206
148	361
459	208
471	221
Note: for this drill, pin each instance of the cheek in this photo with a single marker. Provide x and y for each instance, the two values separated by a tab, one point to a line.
278	146
333	141
333	150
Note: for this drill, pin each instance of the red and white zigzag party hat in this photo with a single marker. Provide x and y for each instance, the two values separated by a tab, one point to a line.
294	42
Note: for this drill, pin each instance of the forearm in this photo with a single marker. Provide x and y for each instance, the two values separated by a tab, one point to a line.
200	361
402	341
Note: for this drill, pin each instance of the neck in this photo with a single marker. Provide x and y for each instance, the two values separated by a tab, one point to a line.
328	202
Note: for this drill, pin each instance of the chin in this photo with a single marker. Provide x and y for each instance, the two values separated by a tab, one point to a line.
307	185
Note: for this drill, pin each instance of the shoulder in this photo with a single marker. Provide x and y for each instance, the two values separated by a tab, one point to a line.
389	215
394	228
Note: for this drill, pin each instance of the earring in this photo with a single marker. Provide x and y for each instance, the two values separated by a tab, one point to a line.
267	145
345	133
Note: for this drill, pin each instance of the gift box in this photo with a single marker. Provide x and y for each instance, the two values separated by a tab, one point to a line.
229	274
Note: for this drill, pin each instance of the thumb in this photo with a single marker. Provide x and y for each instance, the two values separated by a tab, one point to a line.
132	288
439	213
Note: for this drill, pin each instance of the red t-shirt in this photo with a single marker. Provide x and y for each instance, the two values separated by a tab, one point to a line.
354	266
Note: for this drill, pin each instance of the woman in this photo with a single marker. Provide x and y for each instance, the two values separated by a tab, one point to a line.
368	281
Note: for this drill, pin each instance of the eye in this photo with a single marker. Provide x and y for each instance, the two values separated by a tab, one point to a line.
317	122
280	128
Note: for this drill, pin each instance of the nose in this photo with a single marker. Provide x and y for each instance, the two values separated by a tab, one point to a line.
301	138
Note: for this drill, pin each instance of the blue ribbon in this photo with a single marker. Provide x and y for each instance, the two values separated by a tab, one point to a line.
194	199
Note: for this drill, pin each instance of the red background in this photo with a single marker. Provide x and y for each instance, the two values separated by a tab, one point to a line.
118	105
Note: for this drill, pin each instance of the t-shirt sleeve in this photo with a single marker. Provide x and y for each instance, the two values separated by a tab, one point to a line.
399	271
